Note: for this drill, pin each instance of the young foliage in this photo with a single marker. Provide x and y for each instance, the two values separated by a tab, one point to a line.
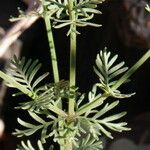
88	143
80	119
59	12
31	128
99	123
51	94
93	124
108	73
29	146
24	73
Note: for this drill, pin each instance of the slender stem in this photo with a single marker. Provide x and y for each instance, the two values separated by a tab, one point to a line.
132	70
52	48
95	103
98	101
54	66
72	55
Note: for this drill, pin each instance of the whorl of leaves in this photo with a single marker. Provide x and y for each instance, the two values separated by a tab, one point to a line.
58	11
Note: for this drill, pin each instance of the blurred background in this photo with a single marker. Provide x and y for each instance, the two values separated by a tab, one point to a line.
125	31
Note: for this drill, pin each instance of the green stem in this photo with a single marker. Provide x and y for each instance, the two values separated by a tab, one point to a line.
52	48
72	56
57	110
131	70
69	145
62	148
99	100
95	103
54	65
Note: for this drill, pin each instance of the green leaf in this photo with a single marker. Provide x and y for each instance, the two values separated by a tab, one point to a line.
114	117
29	146
40	145
36	117
89	143
115	68
38	80
25	124
118	72
23	73
108	72
106	108
33	73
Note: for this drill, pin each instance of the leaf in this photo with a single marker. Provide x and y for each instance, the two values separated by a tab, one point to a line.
112	61
23	72
33	73
38	80
29	146
36	117
118	72
12	83
40	145
108	72
89	143
27	132
106	108
103	130
114	117
80	100
24	146
25	124
44	135
113	69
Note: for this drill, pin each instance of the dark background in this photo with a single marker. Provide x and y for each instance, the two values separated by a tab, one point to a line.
125	31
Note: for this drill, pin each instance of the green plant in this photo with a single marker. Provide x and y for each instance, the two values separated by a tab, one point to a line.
80	125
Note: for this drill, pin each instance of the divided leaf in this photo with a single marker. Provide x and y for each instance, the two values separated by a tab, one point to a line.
24	73
108	72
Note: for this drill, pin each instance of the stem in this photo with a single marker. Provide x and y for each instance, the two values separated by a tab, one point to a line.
72	56
57	110
62	148
98	101
95	103
52	48
54	67
132	70
69	145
